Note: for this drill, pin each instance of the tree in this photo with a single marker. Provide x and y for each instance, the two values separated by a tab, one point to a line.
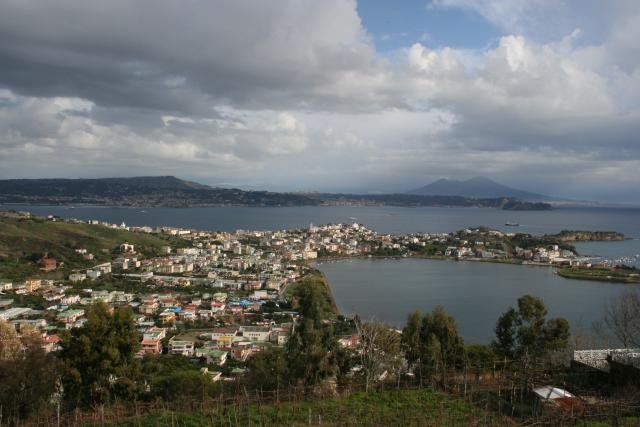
525	334
443	347
99	356
479	358
622	317
268	370
28	377
378	350
432	341
311	347
10	345
411	342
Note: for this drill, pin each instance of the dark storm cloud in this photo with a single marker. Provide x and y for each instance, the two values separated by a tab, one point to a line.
159	54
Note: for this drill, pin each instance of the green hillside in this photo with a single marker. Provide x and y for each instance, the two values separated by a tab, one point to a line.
23	241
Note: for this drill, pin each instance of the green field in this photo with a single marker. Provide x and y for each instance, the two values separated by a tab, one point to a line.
24	240
398	407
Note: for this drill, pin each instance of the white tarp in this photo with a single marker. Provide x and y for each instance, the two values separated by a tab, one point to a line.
551	393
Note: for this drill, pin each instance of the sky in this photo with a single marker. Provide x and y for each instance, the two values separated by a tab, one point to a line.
333	95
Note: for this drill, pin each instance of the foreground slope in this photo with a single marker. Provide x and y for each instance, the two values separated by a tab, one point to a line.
396	407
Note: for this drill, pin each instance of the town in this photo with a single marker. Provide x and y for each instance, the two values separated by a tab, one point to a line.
223	296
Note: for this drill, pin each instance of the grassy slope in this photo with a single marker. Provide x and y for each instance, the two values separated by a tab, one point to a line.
22	240
403	407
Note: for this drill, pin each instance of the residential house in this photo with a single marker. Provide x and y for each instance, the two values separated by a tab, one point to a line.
127	248
256	333
167	316
70	316
213	356
224	335
155	333
50	343
183	348
93	274
77	277
32	284
151	346
47	264
70	299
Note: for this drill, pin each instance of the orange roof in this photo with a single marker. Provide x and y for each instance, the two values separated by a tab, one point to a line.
51	339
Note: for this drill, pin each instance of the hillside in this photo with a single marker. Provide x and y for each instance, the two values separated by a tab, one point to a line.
139	191
23	241
477	187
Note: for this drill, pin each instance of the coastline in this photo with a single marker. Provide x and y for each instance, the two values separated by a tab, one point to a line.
433	258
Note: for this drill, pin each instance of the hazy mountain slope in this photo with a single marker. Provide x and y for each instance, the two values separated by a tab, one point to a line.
477	187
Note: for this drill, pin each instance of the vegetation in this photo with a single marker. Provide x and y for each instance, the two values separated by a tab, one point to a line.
622	317
378	351
581	235
316	283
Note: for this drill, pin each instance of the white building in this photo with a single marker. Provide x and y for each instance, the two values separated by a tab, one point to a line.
183	348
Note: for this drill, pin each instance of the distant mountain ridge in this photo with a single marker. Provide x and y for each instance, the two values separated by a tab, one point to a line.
133	185
170	191
477	187
139	191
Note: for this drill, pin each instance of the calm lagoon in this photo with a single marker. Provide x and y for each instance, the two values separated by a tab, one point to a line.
475	293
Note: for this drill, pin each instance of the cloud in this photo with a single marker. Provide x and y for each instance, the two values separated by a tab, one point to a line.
182	57
292	94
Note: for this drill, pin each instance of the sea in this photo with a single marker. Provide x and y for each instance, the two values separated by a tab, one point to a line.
384	219
387	290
